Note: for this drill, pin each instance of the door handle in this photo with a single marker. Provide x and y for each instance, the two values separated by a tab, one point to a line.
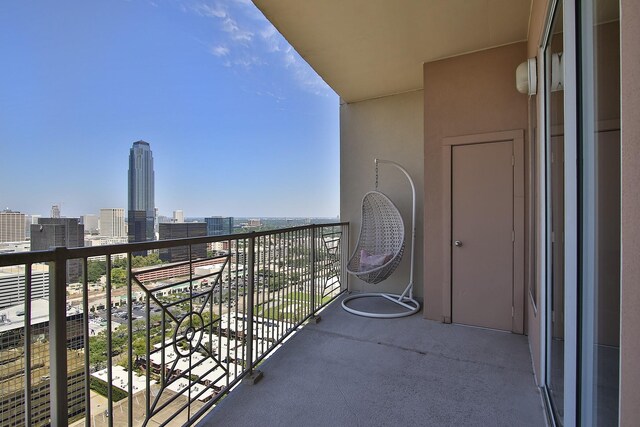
458	243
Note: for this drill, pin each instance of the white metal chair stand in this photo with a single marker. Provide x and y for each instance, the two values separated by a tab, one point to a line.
380	248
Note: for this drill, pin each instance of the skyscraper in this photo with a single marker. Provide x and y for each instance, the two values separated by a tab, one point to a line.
112	222
53	232
141	193
11	226
55	211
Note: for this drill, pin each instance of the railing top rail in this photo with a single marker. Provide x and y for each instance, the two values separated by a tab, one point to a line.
18	258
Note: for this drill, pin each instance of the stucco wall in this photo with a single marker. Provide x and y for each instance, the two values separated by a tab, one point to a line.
464	95
630	223
388	128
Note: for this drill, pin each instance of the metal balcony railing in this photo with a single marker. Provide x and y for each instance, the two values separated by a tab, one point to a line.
162	343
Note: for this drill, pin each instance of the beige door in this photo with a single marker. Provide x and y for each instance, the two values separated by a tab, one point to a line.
482	235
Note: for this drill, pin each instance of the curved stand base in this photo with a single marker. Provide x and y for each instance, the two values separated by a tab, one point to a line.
411	306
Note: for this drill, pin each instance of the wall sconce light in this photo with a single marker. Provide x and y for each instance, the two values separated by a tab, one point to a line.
526	77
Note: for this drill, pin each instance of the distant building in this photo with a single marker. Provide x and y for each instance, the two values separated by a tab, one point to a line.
141	203
54	232
12	226
254	223
13	280
112	222
13	247
219	226
178	216
28	220
55	211
90	223
12	392
163	219
105	240
181	231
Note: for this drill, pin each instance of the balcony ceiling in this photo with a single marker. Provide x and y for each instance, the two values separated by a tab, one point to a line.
370	48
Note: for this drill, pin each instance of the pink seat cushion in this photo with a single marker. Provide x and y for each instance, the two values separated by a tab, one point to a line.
369	261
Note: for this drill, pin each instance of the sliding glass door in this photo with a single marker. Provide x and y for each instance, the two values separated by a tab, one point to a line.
582	212
600	212
554	88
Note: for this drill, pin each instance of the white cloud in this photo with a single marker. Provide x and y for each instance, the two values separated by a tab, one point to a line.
219	50
271	38
204	9
241	21
245	62
231	26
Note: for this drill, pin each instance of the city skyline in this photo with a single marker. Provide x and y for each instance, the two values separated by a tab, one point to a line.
240	124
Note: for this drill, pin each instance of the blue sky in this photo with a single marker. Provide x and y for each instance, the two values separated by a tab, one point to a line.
238	123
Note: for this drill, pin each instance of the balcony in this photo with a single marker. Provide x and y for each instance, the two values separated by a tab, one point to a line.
165	343
350	370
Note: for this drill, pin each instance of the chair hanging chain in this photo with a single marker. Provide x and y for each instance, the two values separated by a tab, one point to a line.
376	174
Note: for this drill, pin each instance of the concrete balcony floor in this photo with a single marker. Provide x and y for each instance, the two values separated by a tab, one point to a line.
353	371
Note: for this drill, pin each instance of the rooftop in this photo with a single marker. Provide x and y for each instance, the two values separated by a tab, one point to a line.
13	317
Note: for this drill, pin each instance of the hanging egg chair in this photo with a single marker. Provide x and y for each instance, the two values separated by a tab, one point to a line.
380	248
381	242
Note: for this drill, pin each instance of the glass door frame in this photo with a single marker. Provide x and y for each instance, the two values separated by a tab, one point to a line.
571	212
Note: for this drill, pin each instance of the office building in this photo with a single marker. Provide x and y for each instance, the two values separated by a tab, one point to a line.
55	232
13	280
219	226
141	203
55	211
12	392
163	219
12	226
28	220
254	222
112	222
90	223
178	216
181	231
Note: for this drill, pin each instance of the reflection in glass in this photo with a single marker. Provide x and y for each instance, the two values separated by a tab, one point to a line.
600	324
555	215
533	185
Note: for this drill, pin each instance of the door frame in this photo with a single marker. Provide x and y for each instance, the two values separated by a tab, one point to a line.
517	138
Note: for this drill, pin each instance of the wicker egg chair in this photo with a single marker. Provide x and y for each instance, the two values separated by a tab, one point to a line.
382	233
380	247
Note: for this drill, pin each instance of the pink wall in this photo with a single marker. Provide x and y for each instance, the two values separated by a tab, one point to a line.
468	94
630	221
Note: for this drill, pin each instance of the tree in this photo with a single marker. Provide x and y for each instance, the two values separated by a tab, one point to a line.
145	261
118	277
95	270
140	346
98	351
294	277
